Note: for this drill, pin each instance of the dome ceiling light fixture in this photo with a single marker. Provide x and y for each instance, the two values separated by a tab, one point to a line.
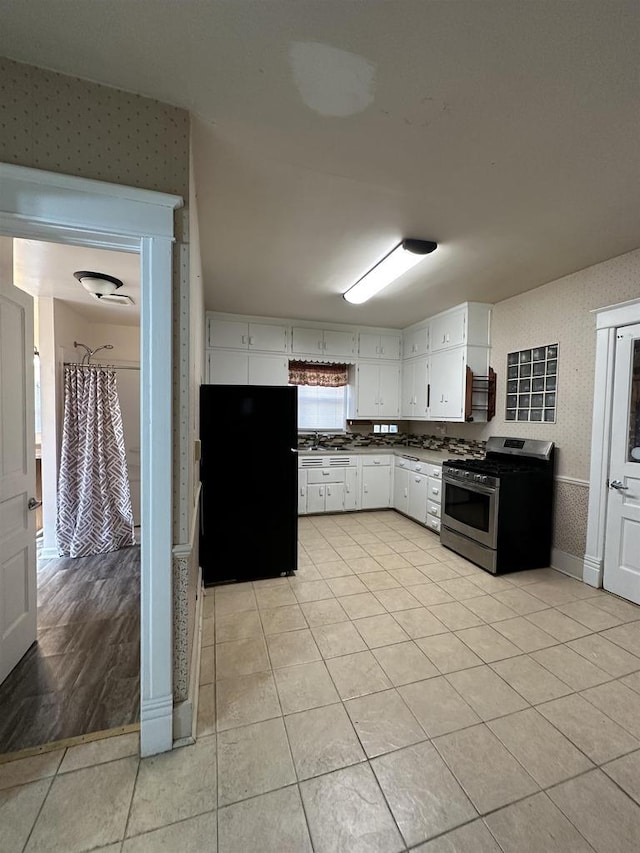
102	286
400	259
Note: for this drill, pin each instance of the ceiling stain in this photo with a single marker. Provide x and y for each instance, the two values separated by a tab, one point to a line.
332	82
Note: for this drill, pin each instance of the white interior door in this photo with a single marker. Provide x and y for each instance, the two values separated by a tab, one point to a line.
18	598
622	544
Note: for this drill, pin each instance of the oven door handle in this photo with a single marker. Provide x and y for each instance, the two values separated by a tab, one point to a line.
472	487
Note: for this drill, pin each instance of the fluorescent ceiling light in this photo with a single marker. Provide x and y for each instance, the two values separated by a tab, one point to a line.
400	259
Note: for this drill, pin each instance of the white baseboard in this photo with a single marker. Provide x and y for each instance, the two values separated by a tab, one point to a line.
185	714
568	564
592	571
49	554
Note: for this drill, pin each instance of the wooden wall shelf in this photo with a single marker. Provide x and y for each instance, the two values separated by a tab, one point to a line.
480	395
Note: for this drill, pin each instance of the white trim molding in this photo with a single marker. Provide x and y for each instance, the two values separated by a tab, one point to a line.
50	206
608	319
568	564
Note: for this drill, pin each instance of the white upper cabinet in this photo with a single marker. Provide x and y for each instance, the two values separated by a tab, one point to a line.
371	345
377	391
415	384
328	342
448	383
225	367
233	334
465	325
415	342
448	330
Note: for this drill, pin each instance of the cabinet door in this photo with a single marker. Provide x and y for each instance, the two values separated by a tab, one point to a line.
400	488
228	333
448	330
334	497
306	340
351	488
268	370
315	498
367	390
418	495
447	376
376	487
368	345
389	391
407	405
263	336
227	368
302	492
339	343
389	346
420	387
415	342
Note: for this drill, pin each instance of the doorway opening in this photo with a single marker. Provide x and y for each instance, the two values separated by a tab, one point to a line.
82	675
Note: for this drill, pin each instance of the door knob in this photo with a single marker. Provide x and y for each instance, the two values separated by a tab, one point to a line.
33	503
617	484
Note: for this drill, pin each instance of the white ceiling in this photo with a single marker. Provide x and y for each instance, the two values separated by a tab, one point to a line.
327	130
46	270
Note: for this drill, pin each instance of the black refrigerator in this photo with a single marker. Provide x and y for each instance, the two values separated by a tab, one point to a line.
249	477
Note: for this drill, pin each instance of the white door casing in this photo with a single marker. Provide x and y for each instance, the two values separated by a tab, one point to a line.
59	208
622	535
609	321
18	592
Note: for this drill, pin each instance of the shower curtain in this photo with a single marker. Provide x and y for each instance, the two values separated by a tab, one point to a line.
94	501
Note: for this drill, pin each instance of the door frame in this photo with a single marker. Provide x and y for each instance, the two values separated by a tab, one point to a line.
41	205
608	319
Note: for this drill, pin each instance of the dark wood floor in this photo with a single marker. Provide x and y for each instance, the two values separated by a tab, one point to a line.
83	674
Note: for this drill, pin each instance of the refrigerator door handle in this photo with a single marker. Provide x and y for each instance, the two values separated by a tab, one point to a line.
202	509
293	449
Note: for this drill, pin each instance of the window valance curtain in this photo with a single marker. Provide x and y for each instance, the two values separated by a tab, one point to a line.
315	373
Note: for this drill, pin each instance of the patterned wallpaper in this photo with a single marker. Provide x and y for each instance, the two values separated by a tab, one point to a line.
64	124
560	312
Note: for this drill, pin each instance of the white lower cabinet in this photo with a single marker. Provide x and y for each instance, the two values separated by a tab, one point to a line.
376	482
417	504
302	491
401	485
351	497
327	484
434	497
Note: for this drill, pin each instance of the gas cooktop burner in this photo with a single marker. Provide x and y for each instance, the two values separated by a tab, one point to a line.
488	466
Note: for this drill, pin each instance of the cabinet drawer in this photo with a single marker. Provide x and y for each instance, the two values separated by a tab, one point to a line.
433	509
402	463
433	523
325	475
434	471
434	490
419	467
369	461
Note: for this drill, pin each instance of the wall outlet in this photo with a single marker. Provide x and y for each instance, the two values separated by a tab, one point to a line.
440	428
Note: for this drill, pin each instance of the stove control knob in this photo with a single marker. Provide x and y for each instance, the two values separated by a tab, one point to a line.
478	477
483	479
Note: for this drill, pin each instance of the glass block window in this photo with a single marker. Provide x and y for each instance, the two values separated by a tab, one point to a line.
532	384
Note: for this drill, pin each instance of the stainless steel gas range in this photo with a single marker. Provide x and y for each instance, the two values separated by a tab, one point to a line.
498	511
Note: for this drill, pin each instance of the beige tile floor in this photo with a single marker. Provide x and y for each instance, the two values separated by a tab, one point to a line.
390	697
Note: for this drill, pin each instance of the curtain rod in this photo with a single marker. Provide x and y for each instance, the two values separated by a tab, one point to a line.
104	366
